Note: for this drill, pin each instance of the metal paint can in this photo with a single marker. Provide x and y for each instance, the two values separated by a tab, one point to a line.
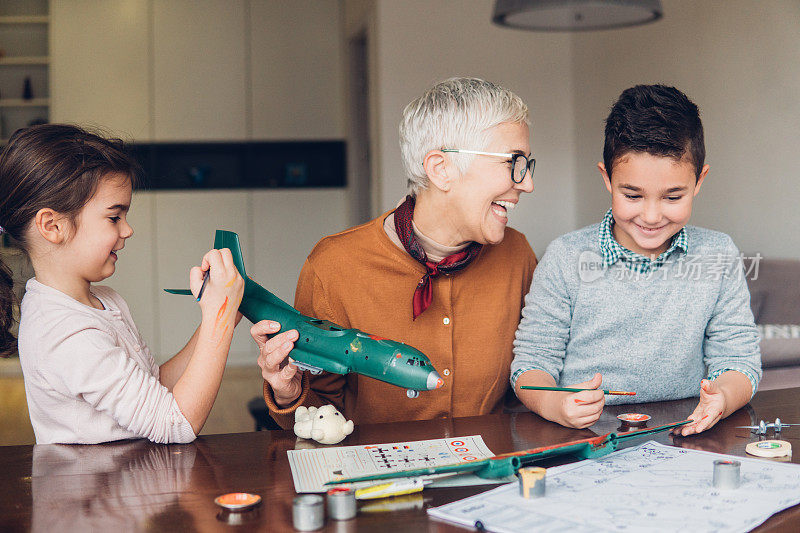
308	513
532	481
341	503
726	474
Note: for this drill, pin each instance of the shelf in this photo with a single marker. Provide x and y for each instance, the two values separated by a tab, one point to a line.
25	60
19	102
25	19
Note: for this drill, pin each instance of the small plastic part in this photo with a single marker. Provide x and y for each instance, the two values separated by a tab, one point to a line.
308	512
238	501
341	503
726	474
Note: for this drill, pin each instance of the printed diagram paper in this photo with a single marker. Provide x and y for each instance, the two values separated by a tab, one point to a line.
312	468
650	487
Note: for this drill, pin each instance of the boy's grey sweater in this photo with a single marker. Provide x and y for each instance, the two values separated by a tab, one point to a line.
657	334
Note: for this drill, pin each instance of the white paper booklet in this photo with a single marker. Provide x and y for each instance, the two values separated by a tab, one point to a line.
650	487
312	468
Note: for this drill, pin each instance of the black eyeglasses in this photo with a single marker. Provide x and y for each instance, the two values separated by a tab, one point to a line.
521	165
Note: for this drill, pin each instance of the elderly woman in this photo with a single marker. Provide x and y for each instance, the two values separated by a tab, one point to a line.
442	272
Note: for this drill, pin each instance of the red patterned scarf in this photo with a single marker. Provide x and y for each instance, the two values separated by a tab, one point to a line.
423	294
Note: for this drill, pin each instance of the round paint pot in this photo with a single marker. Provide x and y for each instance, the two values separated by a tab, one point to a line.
633	419
308	512
532	481
726	474
341	503
237	501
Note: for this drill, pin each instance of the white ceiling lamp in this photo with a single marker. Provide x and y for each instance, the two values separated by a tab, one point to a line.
575	15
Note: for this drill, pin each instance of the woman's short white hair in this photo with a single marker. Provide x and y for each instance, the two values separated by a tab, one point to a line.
455	113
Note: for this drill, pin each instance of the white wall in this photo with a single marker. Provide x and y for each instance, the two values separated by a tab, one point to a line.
421	42
180	70
739	61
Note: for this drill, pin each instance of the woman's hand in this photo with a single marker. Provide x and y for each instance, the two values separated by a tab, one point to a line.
708	412
284	378
580	409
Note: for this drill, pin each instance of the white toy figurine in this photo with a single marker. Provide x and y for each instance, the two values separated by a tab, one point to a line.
325	425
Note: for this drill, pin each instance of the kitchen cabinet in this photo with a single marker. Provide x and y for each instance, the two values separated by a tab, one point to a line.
199	57
24	59
100	66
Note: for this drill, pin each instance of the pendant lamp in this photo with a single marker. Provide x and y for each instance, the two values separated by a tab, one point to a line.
575	15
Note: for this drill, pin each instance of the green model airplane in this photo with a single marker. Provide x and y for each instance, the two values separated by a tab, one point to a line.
507	464
325	346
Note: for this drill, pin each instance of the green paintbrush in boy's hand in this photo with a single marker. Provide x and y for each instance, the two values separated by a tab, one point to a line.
567	389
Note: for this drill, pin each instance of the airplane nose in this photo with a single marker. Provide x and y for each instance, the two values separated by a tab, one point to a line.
435	381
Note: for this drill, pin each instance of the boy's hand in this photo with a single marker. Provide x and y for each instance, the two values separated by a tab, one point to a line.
708	412
580	409
220	300
284	378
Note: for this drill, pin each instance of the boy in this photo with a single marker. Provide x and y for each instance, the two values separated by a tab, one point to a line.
641	300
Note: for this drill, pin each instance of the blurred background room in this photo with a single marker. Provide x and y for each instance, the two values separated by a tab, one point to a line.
278	119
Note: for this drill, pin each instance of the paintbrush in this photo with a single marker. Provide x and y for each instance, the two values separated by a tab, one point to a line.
567	389
203	287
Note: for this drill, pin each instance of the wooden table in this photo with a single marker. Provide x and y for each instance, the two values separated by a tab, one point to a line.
137	485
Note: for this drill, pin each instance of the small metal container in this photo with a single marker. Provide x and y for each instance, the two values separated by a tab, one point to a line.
726	474
341	503
308	512
532	481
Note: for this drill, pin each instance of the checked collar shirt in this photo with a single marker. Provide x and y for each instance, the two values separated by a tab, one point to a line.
613	251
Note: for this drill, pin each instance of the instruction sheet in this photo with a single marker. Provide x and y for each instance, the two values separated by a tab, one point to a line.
312	468
650	487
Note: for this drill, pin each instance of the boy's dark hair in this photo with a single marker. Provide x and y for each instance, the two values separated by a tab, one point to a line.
52	165
654	119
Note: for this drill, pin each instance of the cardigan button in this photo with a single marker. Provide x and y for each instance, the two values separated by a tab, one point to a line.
445	321
446	372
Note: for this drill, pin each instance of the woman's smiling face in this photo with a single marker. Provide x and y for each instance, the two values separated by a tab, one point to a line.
484	194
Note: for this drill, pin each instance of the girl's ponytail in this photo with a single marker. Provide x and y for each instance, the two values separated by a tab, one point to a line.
8	343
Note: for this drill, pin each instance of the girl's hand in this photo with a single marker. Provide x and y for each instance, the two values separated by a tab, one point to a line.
580	409
284	378
708	411
224	289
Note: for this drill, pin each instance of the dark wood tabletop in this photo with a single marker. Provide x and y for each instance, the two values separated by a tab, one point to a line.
140	486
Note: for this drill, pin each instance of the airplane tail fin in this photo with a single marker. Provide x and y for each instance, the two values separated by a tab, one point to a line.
230	240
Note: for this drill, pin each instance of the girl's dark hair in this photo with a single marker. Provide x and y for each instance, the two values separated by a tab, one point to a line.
57	166
657	120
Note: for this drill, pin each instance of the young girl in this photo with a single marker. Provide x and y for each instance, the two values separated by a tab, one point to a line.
89	377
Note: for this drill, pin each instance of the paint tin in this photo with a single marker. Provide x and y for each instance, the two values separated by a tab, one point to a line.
237	501
308	513
341	503
633	419
532	481
726	474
